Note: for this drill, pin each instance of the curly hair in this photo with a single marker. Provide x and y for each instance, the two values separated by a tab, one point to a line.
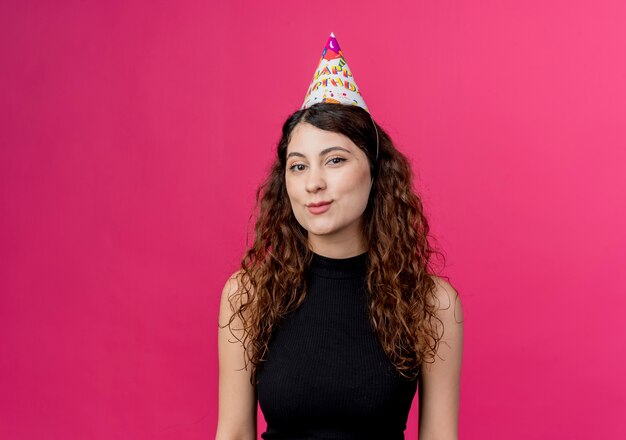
403	303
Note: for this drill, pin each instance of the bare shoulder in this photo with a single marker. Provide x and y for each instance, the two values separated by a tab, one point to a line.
236	305
233	282
448	300
440	380
233	286
237	396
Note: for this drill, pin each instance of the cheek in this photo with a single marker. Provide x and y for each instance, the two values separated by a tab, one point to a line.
363	188
358	183
294	203
293	196
289	188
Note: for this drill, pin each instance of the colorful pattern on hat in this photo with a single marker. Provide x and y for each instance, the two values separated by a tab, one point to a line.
333	80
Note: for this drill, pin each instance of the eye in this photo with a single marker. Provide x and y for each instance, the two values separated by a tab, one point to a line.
296	167
291	168
340	159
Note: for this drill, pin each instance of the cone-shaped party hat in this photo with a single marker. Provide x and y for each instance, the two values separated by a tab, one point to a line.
333	80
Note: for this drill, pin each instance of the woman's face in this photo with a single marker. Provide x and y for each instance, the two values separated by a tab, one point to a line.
324	166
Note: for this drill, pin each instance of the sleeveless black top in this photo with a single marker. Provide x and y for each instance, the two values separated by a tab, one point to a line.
326	376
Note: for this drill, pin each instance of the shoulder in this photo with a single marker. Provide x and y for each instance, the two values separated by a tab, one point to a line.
237	396
440	379
449	307
233	291
235	282
232	283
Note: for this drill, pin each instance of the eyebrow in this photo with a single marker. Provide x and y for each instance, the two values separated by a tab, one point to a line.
323	152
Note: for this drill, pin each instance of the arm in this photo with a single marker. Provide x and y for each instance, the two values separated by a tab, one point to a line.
439	382
237	412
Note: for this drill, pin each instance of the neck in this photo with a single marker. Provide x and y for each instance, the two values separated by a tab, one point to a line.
337	248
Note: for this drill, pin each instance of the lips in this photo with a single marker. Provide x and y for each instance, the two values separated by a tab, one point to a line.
318	208
315	205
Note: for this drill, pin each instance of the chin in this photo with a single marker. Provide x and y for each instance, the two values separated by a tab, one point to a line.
323	229
327	229
320	231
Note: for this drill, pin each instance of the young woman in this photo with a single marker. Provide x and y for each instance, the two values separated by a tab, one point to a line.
336	318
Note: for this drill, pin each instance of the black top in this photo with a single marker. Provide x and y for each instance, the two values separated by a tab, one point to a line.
326	375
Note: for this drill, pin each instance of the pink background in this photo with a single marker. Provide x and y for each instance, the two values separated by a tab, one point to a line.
133	135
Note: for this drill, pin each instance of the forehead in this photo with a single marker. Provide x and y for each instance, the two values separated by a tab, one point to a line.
306	138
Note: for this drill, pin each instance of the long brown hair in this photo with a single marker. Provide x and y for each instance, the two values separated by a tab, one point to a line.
402	300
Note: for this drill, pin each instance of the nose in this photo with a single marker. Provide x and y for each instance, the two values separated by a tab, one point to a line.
315	180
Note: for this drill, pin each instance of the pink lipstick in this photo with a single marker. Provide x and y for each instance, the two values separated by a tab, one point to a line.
318	208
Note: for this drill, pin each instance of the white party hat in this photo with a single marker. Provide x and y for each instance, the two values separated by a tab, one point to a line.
333	80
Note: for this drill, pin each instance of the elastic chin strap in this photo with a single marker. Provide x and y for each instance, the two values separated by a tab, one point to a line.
377	146
377	140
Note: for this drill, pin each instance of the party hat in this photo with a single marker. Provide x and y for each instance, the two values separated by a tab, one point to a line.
333	80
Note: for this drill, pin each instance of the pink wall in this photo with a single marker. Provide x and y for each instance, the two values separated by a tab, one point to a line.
133	135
